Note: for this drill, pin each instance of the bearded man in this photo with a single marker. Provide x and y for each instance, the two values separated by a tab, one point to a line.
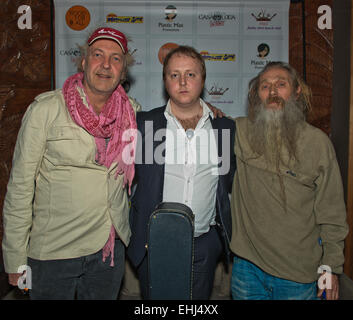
289	216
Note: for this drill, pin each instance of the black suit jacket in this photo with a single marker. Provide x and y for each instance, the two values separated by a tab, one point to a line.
149	178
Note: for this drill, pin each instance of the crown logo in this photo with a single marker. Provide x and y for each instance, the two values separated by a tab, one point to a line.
262	16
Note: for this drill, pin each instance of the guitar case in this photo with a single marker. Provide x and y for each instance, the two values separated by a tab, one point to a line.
170	252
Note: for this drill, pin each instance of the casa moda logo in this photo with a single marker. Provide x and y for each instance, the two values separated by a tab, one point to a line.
77	18
218	56
113	18
217	19
72	54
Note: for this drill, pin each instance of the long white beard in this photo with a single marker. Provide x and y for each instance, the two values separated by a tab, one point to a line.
276	130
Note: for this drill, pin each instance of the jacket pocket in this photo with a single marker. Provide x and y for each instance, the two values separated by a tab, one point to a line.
68	145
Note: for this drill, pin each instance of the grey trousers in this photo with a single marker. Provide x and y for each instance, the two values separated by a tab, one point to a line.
83	278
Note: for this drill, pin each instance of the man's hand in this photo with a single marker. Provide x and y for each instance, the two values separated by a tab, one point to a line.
13	278
331	294
216	112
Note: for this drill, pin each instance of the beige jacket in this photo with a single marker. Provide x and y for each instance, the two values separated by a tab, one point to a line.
60	203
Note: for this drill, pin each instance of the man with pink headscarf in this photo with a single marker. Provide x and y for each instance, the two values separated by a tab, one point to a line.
66	207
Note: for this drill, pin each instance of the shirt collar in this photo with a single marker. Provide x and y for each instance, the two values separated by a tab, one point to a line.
205	113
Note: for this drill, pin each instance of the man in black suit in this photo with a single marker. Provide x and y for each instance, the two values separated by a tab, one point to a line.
186	156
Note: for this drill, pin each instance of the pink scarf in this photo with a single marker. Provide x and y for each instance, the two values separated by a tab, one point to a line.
115	122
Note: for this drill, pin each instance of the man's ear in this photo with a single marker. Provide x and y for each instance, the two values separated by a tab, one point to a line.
298	92
83	64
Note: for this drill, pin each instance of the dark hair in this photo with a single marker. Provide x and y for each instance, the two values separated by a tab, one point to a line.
185	51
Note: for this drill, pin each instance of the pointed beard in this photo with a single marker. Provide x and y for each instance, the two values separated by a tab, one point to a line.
275	130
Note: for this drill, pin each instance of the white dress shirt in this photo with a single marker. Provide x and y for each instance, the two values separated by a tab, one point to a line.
191	168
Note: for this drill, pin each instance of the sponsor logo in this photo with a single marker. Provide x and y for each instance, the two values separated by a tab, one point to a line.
216	91
170	26
134	54
263	50
263	21
113	18
170	13
164	50
216	95
77	18
217	19
259	64
218	56
70	52
262	16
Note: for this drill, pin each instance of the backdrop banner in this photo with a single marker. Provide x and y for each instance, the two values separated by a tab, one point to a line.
236	38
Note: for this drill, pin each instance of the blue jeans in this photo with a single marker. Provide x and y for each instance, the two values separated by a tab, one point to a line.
251	283
84	278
